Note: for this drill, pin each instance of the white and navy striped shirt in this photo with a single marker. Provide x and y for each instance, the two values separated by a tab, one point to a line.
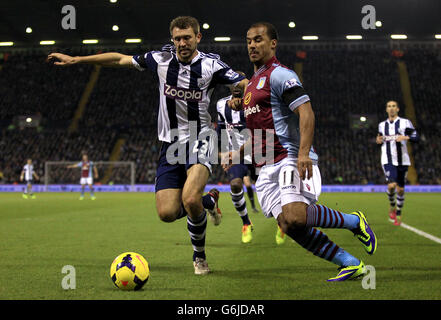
234	122
28	170
185	89
393	152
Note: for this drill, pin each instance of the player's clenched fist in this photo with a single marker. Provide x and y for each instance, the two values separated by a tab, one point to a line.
379	139
235	103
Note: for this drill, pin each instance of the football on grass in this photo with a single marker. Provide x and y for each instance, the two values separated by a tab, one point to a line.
129	271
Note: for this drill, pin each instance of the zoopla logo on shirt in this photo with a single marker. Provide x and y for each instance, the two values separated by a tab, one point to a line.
191	95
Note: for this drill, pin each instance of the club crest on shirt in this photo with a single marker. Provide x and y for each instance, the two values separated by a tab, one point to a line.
261	83
201	82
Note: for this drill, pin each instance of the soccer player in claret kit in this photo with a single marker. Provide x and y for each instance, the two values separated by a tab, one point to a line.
87	167
28	174
187	78
393	134
289	185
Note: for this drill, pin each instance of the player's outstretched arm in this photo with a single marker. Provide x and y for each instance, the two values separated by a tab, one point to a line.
111	59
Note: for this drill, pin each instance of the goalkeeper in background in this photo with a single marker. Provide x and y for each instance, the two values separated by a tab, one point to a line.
86	175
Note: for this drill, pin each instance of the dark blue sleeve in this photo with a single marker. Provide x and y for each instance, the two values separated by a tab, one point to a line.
412	134
223	74
227	76
146	61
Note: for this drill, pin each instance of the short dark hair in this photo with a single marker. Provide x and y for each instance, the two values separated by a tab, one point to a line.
398	105
271	30
184	22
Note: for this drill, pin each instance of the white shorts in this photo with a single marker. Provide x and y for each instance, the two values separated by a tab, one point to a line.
86	181
279	184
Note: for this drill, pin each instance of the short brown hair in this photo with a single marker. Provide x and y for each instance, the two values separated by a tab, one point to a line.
392	101
271	30
184	22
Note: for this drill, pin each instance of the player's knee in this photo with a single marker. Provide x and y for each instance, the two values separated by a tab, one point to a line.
391	186
236	186
167	212
167	215
192	203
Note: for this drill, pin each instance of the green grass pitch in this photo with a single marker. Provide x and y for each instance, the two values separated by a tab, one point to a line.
39	237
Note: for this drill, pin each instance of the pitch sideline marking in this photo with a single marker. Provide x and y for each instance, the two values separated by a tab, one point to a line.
421	233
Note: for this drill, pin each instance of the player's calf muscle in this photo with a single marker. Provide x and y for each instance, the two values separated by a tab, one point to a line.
236	185
193	203
197	177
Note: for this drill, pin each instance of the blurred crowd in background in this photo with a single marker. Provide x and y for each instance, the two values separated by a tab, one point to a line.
344	85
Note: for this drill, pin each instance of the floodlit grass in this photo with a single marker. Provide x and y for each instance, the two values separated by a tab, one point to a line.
39	237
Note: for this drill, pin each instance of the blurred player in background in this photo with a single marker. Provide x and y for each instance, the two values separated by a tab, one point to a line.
233	122
187	78
239	174
393	135
87	168
27	174
289	184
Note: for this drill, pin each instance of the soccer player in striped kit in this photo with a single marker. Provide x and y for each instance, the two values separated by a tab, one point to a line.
28	174
233	123
87	168
393	134
289	183
187	78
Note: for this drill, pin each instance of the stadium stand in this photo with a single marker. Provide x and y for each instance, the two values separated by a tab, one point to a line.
343	84
424	68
